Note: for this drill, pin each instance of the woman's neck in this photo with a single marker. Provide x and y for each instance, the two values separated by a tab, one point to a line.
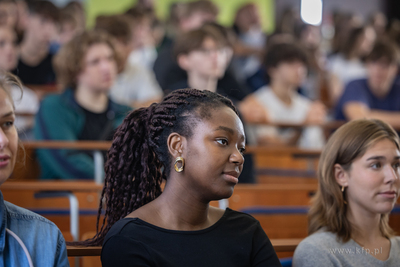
283	91
365	226
180	210
202	82
93	101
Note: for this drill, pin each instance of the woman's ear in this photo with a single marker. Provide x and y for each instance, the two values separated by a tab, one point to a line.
176	143
341	175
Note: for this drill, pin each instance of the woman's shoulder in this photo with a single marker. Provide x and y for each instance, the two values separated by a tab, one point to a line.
24	221
322	239
237	218
395	240
16	212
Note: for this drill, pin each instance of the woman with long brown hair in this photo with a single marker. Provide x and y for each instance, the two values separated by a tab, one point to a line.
358	187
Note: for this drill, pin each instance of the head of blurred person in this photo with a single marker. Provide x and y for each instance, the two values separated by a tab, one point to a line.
68	27
379	22
308	35
382	66
193	15
22	16
358	174
8	49
8	13
8	132
141	22
77	10
287	21
286	64
203	54
41	23
343	23
359	42
227	34
120	28
89	62
247	17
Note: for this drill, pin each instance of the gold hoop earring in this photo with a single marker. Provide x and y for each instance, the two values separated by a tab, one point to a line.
344	201
179	169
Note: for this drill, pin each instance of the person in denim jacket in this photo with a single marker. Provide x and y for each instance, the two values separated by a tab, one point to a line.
26	238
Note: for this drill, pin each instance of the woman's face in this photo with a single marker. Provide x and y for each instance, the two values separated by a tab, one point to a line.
213	158
8	137
8	49
373	179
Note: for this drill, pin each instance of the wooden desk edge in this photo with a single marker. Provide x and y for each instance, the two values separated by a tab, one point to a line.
81	186
285	244
74	251
280	245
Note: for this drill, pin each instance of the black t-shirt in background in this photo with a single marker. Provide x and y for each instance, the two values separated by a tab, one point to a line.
43	73
98	126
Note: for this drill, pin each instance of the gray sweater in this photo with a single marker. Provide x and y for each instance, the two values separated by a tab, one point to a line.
322	249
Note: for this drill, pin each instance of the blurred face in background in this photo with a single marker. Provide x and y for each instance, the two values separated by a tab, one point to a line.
142	34
381	74
40	30
99	68
290	73
8	49
210	60
8	14
366	41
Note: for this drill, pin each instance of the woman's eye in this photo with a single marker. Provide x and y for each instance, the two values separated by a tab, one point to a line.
223	141
8	124
242	150
396	165
376	165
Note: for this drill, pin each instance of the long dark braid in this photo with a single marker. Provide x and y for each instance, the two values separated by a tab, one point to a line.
138	159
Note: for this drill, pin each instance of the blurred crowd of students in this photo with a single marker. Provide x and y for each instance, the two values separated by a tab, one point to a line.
130	60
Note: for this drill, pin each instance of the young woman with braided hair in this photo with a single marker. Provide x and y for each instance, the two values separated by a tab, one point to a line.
194	140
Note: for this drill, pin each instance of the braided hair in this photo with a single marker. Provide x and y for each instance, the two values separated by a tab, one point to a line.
139	160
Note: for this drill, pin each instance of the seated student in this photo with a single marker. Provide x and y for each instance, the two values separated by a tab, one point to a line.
359	184
26	238
135	86
348	64
377	96
87	67
35	62
286	67
26	101
192	16
195	141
